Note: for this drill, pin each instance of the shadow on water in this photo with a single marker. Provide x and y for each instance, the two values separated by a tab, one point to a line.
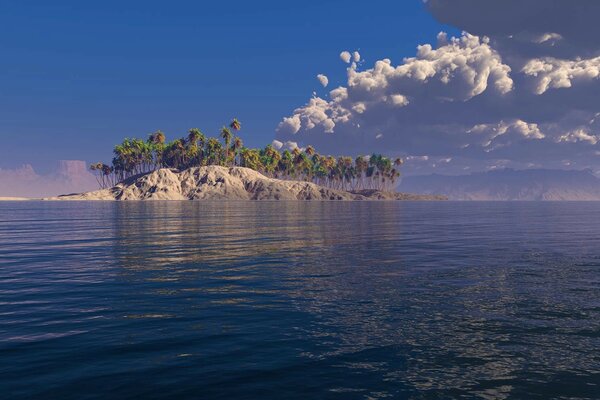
300	300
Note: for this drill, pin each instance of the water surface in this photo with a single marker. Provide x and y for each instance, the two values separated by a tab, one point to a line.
258	300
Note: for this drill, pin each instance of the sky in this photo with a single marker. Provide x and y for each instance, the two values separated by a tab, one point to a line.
77	77
517	88
452	86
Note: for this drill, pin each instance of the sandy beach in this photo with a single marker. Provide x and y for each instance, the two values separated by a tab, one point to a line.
15	199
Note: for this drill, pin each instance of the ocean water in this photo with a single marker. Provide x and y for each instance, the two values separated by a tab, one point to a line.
299	300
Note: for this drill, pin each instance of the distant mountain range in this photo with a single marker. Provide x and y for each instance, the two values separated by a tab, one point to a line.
508	184
67	176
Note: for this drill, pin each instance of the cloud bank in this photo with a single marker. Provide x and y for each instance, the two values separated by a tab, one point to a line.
519	88
70	176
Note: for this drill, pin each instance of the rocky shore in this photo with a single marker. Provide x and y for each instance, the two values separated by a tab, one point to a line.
227	183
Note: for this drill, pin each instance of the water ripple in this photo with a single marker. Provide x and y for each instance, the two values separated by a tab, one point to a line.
299	300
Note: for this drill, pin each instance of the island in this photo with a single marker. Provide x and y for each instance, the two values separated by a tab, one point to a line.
199	168
228	183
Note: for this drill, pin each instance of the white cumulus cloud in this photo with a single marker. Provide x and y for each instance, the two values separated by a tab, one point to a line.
511	91
553	73
323	80
345	56
284	146
457	71
579	135
503	133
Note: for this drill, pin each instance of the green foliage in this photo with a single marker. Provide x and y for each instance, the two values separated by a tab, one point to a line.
136	156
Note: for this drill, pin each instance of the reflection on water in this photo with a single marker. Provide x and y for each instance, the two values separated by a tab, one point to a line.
300	300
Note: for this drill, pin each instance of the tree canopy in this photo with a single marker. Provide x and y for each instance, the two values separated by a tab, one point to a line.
137	156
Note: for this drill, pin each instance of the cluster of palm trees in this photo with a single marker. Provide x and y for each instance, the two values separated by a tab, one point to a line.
136	156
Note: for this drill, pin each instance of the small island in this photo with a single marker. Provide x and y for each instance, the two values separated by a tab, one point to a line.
200	168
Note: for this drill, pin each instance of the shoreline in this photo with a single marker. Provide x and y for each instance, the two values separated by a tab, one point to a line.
230	183
403	197
9	198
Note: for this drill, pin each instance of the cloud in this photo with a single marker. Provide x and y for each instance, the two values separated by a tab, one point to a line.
284	146
373	100
317	113
323	80
460	70
493	136
552	38
552	73
512	21
579	135
69	176
511	91
345	56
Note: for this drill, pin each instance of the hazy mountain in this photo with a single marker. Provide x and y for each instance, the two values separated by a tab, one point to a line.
68	176
508	184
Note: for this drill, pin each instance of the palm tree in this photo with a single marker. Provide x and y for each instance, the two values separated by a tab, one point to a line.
125	159
201	146
107	175
214	151
330	166
95	168
394	175
236	147
320	171
270	159
345	171
103	174
157	143
235	125
195	146
286	164
176	154
361	164
144	155
227	136
136	156
250	158
305	166
193	135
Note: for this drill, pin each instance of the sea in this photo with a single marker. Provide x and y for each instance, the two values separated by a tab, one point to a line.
299	300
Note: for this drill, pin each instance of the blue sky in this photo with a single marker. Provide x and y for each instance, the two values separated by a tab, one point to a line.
76	77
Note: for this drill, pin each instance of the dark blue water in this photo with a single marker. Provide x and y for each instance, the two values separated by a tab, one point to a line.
299	300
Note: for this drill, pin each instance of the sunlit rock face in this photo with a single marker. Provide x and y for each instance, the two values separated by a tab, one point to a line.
224	183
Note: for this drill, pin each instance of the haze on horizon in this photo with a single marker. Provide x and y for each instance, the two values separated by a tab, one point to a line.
516	89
